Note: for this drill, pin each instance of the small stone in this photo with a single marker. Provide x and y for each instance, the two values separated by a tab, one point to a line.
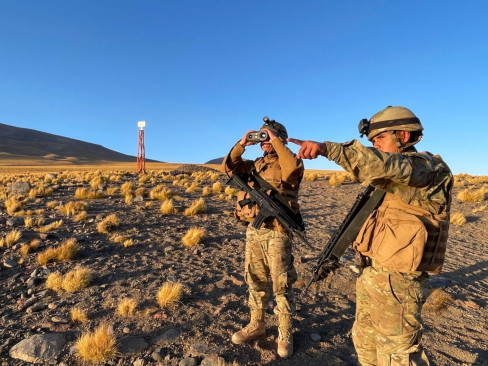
139	362
157	355
188	361
9	263
52	306
35	308
315	337
167	337
131	344
60	319
354	268
39	348
126	330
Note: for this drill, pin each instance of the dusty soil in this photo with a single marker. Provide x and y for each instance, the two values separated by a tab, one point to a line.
214	303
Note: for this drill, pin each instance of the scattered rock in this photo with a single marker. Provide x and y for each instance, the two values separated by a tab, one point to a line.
201	349
60	319
315	337
167	337
39	348
131	344
9	263
20	188
157	355
189	361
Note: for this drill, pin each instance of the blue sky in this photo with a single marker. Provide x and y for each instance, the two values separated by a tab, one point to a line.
203	72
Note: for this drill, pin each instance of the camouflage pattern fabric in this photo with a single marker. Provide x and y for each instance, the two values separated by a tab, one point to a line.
268	254
387	330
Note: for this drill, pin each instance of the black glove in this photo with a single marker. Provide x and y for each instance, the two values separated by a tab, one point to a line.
324	270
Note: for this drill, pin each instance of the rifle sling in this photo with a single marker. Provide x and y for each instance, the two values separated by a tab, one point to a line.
352	230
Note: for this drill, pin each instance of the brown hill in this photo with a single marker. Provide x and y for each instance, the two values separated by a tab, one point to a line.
26	144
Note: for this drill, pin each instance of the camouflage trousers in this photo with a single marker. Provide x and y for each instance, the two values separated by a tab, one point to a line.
388	326
268	254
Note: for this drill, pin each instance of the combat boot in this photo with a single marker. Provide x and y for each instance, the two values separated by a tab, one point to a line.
285	336
254	330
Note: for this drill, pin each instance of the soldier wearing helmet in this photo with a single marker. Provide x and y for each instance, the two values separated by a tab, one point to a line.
268	250
404	238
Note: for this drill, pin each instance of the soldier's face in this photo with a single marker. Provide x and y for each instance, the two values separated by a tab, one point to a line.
266	146
384	142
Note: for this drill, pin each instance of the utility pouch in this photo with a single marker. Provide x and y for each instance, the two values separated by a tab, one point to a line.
366	234
245	212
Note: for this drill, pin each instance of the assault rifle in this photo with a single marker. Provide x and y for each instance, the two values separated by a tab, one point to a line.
270	202
342	238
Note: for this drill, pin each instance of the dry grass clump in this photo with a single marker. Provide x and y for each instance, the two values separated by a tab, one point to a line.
127	188
161	193
12	204
467	195
65	252
53	225
40	191
167	208
117	238
54	281
28	221
480	179
10	239
127	307
192	188
141	191
192	237
30	247
169	294
84	193
479	208
217	187
229	191
128	243
337	179
458	218
77	279
108	224
72	208
97	346
197	207
112	190
51	204
80	216
438	301
78	315
311	176
206	191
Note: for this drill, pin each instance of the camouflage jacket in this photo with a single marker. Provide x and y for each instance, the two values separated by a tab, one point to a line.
281	169
408	231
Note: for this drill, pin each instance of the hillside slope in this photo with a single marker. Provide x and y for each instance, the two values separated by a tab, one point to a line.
18	142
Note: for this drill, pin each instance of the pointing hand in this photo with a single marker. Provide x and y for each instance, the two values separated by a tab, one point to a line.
309	149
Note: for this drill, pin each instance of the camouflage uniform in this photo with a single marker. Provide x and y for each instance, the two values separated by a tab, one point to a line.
269	249
402	241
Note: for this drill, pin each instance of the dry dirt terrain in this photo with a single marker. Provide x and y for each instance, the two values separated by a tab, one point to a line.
213	305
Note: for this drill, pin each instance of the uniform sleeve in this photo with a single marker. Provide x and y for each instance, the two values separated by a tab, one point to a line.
378	168
291	167
234	163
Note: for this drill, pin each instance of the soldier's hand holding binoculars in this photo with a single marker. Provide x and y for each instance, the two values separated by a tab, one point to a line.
245	141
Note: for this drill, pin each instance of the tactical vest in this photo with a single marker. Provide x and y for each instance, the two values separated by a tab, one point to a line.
404	238
269	169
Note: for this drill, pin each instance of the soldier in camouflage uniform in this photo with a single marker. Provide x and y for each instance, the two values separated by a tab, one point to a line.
402	241
268	249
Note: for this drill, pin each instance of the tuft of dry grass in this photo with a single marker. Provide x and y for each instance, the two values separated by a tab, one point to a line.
72	208
54	281
12	204
128	243
112	190
10	239
77	279
197	207
161	193
51	204
337	179
229	191
126	188
217	187
108	224
458	218
479	208
469	195
28	221
311	176
65	252
193	236
206	191
169	294
167	208
97	346
80	216
28	248
127	307
438	301
51	226
84	193
78	315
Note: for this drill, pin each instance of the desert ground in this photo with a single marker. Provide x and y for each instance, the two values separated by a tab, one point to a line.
197	329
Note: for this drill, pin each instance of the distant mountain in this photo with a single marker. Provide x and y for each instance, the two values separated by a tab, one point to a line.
215	161
25	143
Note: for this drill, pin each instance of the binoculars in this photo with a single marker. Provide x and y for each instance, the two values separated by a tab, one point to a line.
257	136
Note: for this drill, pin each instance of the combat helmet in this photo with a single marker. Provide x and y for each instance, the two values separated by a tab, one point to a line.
392	118
277	128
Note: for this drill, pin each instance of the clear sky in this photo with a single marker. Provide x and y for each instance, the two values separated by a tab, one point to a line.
203	72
